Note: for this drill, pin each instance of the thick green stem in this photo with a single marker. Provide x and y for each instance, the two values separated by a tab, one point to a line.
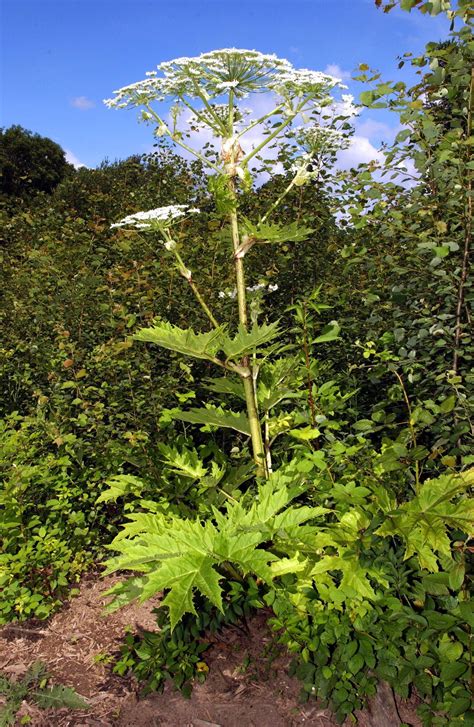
248	382
255	428
239	267
299	109
260	120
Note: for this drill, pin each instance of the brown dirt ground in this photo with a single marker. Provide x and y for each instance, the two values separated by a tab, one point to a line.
247	686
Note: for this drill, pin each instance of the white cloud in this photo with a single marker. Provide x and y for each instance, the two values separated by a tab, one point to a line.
72	159
360	151
334	70
376	131
82	103
364	147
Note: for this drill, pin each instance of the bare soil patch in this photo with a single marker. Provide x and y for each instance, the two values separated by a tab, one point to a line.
248	684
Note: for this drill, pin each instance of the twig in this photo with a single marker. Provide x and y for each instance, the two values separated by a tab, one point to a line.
22	630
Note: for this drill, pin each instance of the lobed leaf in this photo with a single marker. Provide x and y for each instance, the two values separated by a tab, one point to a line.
266	232
59	696
247	342
185	341
216	416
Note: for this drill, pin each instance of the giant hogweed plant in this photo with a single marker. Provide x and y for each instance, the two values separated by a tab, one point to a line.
210	88
305	113
313	527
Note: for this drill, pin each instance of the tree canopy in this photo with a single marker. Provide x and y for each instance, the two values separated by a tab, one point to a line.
30	162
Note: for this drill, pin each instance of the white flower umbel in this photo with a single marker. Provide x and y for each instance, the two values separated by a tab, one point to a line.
213	74
161	217
321	139
302	81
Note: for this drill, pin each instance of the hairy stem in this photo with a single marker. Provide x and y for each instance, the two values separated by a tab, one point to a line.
248	382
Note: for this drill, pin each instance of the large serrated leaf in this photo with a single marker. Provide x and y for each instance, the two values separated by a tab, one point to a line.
216	417
423	522
226	386
183	340
181	576
58	696
265	232
246	342
120	486
184	556
184	462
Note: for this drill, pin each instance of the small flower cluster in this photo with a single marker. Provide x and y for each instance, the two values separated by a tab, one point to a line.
321	139
250	289
301	81
160	217
213	74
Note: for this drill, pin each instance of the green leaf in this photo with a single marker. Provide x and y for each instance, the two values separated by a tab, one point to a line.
355	577
451	672
305	434
450	650
247	342
423	522
367	97
182	556
448	404
265	232
216	417
185	341
329	333
58	696
184	462
287	565
120	486
355	663
459	706
456	576
218	186
182	575
226	386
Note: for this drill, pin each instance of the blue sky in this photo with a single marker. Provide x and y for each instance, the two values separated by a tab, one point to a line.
60	58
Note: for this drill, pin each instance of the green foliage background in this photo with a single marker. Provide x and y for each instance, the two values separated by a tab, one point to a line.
379	429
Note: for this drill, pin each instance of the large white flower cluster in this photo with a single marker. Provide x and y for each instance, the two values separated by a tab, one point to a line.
219	72
159	217
321	139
